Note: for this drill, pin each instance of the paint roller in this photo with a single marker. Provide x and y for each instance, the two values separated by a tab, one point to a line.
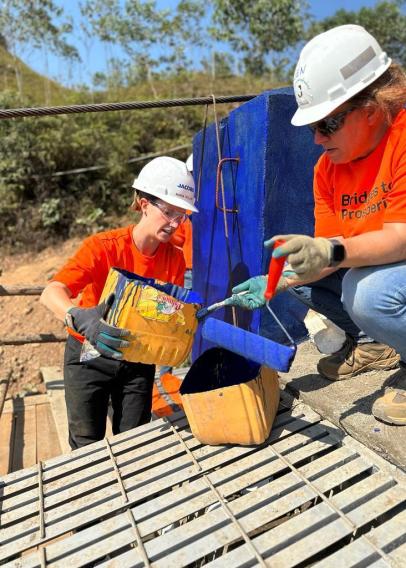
250	345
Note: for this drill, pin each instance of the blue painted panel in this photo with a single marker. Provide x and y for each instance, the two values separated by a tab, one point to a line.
290	158
271	187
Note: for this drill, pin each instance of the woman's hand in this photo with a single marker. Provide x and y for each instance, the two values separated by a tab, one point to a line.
307	256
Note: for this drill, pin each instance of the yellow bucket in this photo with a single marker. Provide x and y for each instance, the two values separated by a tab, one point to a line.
229	399
160	316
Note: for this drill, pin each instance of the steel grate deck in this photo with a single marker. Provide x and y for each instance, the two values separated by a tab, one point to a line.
155	496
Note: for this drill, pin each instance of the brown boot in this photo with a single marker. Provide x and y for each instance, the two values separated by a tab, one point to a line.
391	407
355	358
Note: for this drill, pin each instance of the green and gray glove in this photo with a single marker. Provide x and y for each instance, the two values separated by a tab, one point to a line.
254	297
307	256
90	322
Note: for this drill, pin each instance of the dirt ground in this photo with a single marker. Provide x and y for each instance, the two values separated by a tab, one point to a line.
24	315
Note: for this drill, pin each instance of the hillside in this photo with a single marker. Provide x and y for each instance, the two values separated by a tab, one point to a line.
37	87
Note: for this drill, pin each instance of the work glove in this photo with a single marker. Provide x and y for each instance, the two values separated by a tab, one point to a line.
91	323
307	256
255	289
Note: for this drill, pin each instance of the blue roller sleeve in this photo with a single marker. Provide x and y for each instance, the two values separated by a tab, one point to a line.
250	345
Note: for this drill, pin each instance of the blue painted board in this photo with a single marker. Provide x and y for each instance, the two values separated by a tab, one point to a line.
271	187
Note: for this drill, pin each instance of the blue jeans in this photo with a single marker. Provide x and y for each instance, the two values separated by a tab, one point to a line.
368	303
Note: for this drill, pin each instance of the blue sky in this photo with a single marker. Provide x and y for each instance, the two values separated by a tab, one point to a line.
95	55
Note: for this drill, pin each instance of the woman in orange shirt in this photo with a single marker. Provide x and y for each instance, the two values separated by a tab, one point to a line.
354	270
164	191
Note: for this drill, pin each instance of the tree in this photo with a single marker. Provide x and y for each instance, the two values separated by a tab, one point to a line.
34	24
219	65
259	29
386	21
150	38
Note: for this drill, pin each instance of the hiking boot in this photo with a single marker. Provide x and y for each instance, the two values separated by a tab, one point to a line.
356	358
391	407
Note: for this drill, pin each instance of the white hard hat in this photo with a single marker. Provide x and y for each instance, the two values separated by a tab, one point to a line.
333	67
189	163
170	180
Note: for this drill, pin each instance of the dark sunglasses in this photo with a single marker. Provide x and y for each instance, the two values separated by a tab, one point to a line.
330	124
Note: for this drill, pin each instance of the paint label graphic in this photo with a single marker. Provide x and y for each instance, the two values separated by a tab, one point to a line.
153	304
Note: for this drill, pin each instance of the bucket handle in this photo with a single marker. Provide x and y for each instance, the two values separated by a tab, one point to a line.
218	179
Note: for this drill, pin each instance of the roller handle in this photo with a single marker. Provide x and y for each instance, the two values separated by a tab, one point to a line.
274	272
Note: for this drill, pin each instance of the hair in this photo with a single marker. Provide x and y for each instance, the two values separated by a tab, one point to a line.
388	92
135	206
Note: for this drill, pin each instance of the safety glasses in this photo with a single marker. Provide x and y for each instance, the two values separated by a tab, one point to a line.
170	215
330	124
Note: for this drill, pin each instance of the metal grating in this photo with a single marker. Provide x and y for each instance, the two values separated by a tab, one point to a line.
155	496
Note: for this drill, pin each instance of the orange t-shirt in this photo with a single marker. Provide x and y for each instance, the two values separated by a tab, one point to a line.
358	197
182	238
86	272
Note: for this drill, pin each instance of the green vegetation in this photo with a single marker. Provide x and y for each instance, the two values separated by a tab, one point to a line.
14	73
38	207
38	203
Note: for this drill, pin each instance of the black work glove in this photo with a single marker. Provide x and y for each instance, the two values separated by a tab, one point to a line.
90	322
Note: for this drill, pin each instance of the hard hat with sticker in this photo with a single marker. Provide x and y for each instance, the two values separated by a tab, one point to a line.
333	67
302	92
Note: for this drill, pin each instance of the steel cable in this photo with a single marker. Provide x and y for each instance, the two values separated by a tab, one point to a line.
107	107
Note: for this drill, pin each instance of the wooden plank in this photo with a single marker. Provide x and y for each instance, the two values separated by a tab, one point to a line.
30	437
109	422
48	444
38	338
25	290
7	420
53	379
58	408
16	404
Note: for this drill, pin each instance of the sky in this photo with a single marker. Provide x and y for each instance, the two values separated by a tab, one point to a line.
95	55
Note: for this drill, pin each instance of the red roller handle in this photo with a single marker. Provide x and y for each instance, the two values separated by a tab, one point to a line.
275	271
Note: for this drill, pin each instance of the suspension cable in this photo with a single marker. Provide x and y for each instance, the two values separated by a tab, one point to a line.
107	107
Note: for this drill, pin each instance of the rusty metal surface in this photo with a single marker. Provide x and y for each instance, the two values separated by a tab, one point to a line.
155	496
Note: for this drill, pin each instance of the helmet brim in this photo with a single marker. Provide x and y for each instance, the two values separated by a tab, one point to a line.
178	202
171	199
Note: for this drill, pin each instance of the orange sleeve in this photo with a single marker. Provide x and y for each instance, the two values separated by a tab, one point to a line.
326	221
87	267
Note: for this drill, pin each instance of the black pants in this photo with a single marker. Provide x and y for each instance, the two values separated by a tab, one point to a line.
88	387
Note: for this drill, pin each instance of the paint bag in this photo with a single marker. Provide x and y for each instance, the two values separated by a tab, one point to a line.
160	316
229	399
